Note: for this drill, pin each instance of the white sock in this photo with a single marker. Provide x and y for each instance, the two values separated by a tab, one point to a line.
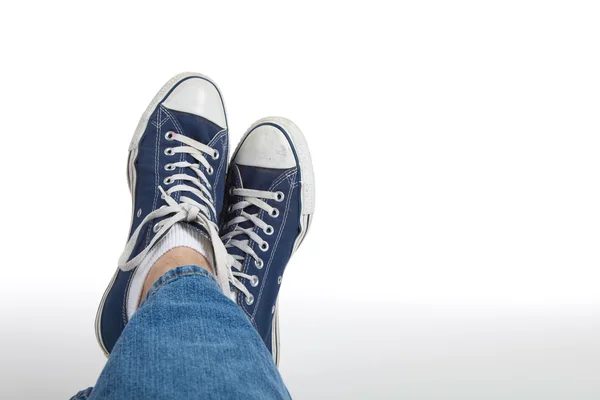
179	235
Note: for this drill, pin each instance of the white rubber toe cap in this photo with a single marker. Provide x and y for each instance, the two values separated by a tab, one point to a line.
198	96
266	147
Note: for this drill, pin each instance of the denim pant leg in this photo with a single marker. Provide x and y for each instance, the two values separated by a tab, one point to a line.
188	341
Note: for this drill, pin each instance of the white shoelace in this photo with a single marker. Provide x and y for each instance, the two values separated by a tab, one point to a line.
250	197
187	209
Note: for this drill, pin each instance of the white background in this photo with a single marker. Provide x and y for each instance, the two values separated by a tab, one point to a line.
455	247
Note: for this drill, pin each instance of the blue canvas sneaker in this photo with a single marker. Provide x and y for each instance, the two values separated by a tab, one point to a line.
176	173
269	205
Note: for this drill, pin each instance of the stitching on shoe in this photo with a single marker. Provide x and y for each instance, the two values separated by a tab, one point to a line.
261	214
220	170
125	295
280	234
156	172
238	299
157	125
180	130
221	135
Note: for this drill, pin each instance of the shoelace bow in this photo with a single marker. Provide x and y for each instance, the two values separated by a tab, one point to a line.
187	209
250	197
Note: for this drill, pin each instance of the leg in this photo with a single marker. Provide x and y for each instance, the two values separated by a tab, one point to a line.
187	340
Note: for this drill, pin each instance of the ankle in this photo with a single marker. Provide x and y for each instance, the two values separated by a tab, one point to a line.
176	257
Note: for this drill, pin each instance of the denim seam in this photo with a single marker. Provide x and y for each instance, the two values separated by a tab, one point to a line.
173	277
83	394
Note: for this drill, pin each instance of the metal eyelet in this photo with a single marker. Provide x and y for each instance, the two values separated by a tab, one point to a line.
254	281
231	191
274	213
279	196
264	246
169	151
279	280
168	180
249	299
259	263
156	228
169	167
210	170
139	213
273	310
269	230
170	135
230	209
215	155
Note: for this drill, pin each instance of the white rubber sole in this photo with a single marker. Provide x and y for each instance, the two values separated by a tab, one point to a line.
131	173
307	198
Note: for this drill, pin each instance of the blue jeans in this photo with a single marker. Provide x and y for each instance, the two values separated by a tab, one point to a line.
188	341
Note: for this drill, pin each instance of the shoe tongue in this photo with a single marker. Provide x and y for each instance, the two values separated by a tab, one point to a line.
259	178
195	127
252	179
201	130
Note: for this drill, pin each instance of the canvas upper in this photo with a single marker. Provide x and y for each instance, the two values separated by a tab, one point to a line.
269	204
188	110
